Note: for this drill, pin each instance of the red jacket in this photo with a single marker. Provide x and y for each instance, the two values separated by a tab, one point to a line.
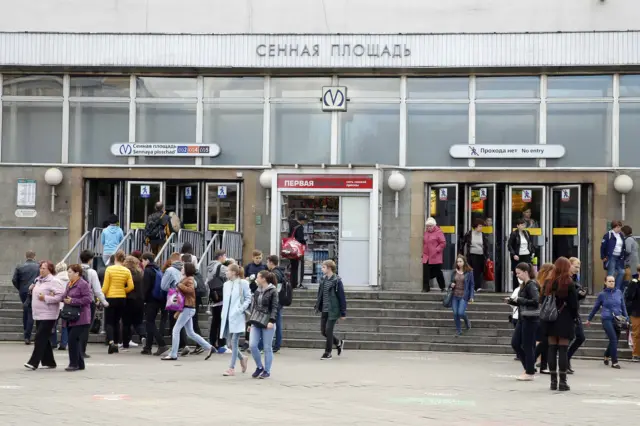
433	244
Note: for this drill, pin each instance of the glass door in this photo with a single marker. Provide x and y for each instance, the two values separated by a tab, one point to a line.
222	202
188	205
527	202
141	199
442	204
565	214
481	205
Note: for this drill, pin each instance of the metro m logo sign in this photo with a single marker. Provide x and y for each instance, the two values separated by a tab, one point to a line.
334	98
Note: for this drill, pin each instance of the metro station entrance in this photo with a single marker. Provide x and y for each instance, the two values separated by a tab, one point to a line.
556	216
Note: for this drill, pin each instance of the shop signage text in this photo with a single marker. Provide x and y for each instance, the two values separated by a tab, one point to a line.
334	98
325	182
358	50
164	150
507	151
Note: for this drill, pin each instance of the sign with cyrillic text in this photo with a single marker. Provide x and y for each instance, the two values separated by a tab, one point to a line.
507	151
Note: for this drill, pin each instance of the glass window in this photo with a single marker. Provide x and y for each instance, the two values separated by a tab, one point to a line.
580	86
100	86
166	87
507	87
438	88
234	87
585	131
629	131
165	123
93	128
32	132
630	86
300	134
309	87
370	134
31	85
237	129
371	87
507	124
432	129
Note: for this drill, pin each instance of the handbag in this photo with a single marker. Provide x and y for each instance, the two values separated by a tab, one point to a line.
549	310
70	313
292	248
175	301
448	298
620	322
259	319
489	270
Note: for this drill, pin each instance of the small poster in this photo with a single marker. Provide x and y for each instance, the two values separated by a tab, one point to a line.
145	191
483	194
443	194
187	193
566	195
526	195
26	193
222	192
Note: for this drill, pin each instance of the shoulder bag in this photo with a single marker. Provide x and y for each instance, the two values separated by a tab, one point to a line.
549	309
70	313
448	298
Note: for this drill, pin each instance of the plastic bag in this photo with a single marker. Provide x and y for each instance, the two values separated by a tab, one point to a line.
175	301
291	249
489	268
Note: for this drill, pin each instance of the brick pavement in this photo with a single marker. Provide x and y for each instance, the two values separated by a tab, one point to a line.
359	388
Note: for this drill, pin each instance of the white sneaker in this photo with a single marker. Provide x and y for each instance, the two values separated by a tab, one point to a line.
133	344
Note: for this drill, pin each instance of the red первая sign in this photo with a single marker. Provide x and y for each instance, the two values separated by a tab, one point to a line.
325	182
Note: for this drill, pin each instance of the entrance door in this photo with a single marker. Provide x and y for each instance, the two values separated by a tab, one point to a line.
526	202
442	205
222	207
141	199
353	248
184	200
481	205
565	214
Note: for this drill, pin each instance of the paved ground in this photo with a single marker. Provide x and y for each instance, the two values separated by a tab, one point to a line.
359	388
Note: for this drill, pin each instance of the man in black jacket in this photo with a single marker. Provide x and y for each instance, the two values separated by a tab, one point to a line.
297	232
152	307
23	277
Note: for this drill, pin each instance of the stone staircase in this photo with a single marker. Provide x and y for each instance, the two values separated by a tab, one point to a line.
389	320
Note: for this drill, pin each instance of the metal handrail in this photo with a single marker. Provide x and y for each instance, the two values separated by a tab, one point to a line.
96	241
123	245
163	253
207	256
139	241
76	245
195	238
232	243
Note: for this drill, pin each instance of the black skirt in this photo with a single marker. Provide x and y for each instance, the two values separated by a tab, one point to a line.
563	327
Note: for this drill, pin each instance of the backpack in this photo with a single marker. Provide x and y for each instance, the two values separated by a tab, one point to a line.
155	229
549	310
285	296
201	288
215	285
157	292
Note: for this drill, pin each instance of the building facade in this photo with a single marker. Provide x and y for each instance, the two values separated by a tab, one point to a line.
312	108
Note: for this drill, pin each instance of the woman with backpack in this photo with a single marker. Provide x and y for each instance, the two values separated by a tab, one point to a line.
236	300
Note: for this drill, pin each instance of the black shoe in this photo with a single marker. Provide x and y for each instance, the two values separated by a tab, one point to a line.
198	350
212	351
616	366
27	341
72	368
606	361
340	347
86	356
160	351
563	386
185	351
276	350
570	370
62	348
554	381
146	351
113	349
325	356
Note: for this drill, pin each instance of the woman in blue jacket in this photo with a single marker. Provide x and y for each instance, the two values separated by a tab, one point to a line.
612	303
462	284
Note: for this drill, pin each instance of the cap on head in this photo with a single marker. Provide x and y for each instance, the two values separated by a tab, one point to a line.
431	222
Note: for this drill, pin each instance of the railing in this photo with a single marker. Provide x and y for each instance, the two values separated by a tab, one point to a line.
125	245
207	257
82	244
232	244
96	241
139	241
165	251
195	238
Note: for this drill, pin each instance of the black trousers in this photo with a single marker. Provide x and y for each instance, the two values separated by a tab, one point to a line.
326	328
42	349
77	337
151	310
524	343
112	316
477	261
132	321
542	351
216	324
524	258
432	271
295	273
578	341
86	338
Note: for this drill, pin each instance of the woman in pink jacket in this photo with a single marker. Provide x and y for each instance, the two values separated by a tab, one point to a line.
433	244
46	295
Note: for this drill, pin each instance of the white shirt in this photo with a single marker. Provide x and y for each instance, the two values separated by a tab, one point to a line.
618	249
524	245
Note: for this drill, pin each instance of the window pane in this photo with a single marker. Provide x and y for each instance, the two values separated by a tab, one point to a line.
300	134
431	130
299	87
32	85
234	87
162	87
580	86
370	134
165	123
237	129
98	86
584	130
630	85
93	128
507	87
629	131
32	132
506	124
438	88
371	87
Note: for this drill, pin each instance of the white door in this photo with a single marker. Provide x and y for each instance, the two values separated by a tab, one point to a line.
353	248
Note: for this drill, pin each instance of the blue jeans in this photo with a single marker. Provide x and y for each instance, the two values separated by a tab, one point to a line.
64	335
27	317
234	338
278	342
613	334
185	321
459	308
266	335
615	268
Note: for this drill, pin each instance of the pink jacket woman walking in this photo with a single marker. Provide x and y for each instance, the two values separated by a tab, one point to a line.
433	244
